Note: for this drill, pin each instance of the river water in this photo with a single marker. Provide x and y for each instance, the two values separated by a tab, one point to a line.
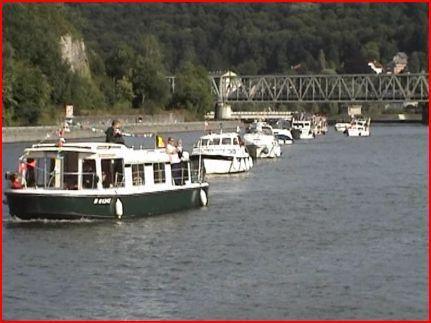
335	229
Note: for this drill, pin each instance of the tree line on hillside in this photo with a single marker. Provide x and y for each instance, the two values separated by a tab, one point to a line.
131	48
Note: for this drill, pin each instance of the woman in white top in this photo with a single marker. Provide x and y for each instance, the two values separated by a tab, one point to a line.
175	160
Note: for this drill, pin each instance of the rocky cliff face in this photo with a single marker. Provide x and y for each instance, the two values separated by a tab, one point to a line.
73	52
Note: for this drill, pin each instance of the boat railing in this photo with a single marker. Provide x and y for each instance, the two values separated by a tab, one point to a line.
197	170
181	174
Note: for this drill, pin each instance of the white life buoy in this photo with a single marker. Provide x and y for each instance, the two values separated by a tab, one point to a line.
204	198
118	208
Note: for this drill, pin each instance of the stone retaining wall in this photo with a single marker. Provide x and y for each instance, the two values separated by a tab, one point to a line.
37	134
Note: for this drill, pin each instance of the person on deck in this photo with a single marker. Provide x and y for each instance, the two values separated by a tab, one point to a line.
30	177
113	133
179	147
172	151
15	183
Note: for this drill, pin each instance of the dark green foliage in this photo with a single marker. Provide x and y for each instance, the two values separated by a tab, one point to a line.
119	62
28	94
148	78
264	38
193	91
35	77
132	47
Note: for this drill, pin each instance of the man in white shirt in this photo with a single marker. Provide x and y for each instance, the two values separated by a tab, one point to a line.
175	160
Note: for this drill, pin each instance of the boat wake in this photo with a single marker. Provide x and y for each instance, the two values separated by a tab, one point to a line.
15	220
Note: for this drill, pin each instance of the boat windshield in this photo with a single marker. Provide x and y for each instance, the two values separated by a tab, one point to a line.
226	141
66	170
252	129
215	141
281	124
266	131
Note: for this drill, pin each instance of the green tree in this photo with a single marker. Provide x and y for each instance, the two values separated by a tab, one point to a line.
193	90
124	90
120	61
148	79
30	93
322	60
417	62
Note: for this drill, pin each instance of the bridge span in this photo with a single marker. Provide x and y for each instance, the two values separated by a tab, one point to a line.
347	88
338	88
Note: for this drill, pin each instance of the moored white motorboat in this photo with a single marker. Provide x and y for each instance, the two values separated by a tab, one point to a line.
305	127
359	128
282	132
101	180
222	153
342	126
261	142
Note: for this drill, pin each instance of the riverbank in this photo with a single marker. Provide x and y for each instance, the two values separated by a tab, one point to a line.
36	134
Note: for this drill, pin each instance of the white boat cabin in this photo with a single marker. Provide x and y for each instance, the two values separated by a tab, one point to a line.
100	166
218	139
260	127
301	124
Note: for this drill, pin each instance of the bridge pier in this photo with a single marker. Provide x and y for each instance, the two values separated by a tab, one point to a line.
222	111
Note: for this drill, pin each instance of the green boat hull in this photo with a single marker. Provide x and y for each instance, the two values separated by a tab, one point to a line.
42	206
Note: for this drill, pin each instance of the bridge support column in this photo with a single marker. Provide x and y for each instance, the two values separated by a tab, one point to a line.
425	113
222	111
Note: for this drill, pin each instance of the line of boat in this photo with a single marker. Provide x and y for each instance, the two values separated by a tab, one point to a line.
357	127
109	180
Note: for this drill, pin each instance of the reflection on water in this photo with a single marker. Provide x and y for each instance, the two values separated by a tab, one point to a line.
335	229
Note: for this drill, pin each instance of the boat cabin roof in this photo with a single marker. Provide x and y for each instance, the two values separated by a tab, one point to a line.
257	127
220	135
103	150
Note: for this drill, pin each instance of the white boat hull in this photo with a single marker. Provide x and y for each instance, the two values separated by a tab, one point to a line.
353	132
285	141
226	166
264	151
306	135
283	136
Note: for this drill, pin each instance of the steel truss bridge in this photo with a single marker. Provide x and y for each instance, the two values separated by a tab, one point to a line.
338	88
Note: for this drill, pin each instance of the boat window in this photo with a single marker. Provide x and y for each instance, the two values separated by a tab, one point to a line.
138	174
89	178
235	141
112	172
70	170
35	171
204	142
159	173
216	141
226	141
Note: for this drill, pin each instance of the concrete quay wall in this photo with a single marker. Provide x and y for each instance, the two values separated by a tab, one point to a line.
37	134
